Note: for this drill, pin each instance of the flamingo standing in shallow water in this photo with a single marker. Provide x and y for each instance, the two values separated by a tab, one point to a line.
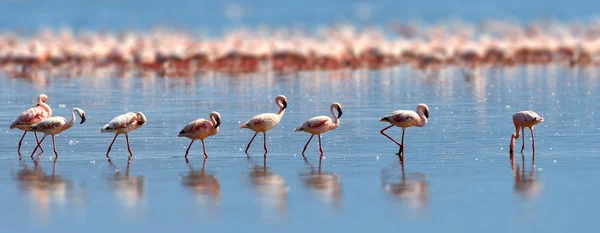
265	122
201	129
55	125
30	117
522	120
123	124
321	124
405	119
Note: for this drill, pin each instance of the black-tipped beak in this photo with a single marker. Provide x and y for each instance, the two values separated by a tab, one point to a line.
339	112
284	104
82	118
218	120
426	112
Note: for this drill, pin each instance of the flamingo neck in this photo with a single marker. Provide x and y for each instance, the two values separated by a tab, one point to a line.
72	121
423	120
45	107
336	119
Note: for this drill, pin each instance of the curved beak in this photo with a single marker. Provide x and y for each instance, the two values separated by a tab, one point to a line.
426	112
82	118
284	104
339	112
218	120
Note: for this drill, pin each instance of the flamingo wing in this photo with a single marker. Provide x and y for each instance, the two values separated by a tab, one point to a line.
49	125
196	126
121	122
30	116
316	124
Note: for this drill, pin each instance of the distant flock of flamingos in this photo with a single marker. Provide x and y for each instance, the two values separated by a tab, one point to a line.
39	119
180	53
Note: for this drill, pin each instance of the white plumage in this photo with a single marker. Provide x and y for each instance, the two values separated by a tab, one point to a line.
321	124
522	120
55	125
405	119
200	129
123	124
264	122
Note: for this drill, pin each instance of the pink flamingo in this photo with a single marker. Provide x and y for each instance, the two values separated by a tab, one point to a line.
321	124
405	119
123	124
521	120
55	125
265	122
201	129
30	117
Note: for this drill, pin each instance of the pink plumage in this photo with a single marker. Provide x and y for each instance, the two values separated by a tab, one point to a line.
405	119
321	124
200	129
522	120
123	124
32	116
55	125
265	122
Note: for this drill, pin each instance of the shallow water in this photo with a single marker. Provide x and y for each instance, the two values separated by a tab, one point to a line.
457	175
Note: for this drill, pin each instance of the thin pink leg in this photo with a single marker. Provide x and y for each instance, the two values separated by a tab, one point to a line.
265	139
128	146
523	135
249	143
305	146
109	147
320	146
532	139
39	145
54	145
21	141
204	148
188	150
402	144
383	132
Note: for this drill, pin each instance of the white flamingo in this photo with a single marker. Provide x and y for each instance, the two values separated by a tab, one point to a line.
30	117
405	119
321	124
124	124
201	129
264	122
522	120
55	125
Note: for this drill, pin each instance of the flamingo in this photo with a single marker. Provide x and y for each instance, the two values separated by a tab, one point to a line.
30	117
201	129
405	119
265	122
321	124
522	120
124	124
55	125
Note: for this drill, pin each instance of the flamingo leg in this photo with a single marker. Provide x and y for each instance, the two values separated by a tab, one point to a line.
532	139
523	136
188	149
39	145
54	145
305	146
128	146
249	143
265	142
320	145
383	132
21	141
204	148
402	144
109	147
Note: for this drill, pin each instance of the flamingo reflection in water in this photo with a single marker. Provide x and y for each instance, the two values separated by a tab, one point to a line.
325	184
411	187
205	186
130	189
271	187
46	190
526	185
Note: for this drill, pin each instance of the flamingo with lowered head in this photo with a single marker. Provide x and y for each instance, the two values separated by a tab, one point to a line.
55	125
321	124
201	129
405	119
30	117
124	124
264	122
522	120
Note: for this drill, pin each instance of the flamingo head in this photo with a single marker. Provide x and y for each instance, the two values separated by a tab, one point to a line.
43	98
141	118
424	108
337	107
217	118
281	100
81	114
